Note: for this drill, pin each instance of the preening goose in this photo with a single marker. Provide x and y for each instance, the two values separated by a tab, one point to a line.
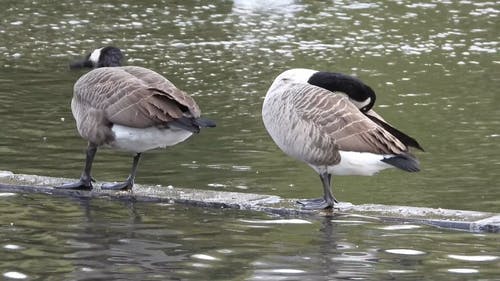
128	108
326	120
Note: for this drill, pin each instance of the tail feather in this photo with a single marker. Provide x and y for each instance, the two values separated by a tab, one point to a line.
404	162
205	123
185	123
192	125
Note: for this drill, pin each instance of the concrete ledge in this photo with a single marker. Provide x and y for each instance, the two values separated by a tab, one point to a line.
451	219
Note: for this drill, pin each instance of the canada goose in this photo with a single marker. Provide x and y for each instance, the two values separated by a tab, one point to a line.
128	108
326	120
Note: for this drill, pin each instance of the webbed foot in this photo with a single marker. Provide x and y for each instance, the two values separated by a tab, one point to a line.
126	185
79	185
317	203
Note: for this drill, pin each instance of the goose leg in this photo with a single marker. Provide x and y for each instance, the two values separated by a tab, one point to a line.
85	182
330	189
326	202
129	182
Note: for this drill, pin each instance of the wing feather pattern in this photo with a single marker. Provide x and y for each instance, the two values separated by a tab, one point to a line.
339	122
130	96
134	96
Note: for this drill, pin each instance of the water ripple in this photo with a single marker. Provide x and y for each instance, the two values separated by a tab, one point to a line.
478	258
15	275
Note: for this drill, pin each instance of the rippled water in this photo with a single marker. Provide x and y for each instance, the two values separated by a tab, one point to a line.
64	239
433	64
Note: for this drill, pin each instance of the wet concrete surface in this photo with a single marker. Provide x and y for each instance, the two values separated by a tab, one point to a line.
473	221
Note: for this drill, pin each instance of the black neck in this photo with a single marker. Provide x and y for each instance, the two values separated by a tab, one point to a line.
110	56
349	85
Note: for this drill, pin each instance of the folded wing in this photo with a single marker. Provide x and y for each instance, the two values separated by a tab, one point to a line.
339	121
135	97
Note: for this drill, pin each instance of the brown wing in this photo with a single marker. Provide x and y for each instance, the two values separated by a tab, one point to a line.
375	114
134	96
337	119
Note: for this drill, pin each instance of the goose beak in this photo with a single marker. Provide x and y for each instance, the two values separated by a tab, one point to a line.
81	64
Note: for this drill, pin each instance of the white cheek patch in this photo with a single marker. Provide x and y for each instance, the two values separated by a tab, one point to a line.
94	57
361	104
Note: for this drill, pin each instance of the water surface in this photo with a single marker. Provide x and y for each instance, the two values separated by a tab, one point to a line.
433	64
65	239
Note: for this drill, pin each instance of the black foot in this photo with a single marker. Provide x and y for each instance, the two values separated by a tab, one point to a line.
118	186
315	204
80	185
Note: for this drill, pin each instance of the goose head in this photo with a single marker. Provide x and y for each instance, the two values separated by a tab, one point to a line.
103	57
359	93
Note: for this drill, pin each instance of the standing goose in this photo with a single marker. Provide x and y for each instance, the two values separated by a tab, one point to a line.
128	108
325	119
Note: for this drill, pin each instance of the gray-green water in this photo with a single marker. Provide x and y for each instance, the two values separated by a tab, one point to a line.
433	64
64	239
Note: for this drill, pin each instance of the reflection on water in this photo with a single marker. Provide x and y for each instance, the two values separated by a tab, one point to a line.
241	7
434	67
79	239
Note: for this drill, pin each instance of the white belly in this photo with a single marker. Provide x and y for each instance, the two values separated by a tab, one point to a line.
359	163
140	140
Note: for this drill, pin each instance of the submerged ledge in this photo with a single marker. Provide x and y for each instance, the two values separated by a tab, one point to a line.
472	221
